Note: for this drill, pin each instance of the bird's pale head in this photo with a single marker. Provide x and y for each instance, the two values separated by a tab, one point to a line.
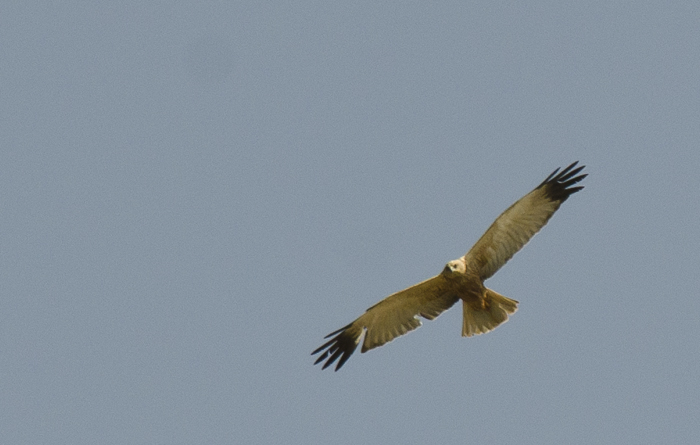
455	266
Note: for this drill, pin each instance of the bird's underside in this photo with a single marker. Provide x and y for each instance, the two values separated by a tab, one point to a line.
461	279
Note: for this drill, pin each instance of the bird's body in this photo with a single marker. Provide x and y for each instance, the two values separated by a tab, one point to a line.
461	279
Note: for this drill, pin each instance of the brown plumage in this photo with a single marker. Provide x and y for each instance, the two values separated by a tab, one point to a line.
463	278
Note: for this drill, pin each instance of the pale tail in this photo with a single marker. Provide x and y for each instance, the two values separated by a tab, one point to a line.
496	311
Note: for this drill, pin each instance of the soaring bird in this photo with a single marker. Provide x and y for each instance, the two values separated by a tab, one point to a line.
461	279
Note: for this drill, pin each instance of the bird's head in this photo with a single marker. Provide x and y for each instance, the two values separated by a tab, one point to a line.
454	266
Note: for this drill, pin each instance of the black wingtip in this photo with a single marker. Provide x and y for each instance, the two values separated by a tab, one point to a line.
338	348
559	183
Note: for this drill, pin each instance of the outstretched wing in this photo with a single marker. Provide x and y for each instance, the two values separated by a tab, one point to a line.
521	221
392	317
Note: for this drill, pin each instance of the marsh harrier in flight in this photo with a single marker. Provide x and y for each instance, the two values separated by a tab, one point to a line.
461	279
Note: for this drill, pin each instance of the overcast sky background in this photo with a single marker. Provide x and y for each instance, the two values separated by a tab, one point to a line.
195	193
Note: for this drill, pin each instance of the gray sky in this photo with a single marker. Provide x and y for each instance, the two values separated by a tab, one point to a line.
194	194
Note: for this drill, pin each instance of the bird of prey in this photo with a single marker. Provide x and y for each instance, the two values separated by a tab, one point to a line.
461	279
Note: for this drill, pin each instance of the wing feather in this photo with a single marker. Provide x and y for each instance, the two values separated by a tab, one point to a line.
392	317
521	221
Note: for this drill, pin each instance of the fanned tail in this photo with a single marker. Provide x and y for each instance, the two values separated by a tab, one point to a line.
494	312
